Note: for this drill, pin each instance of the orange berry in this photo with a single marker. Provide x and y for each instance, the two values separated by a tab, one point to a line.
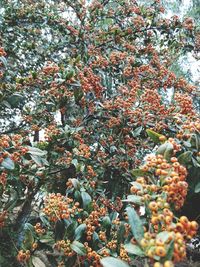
158	172
161	217
154	220
163	172
153	206
160	251
168	219
160	204
144	242
180	227
159	242
166	211
176	164
192	233
174	159
147	235
157	264
162	138
150	253
184	220
194	225
168	264
164	165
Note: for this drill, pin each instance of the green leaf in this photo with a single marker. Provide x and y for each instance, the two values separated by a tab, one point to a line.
135	223
75	183
69	74
28	236
114	215
70	262
86	199
106	222
37	262
8	163
170	251
195	163
29	263
163	236
197	188
113	149
12	201
137	185
79	231
36	151
75	162
197	137
134	249
134	199
34	74
95	238
185	157
71	227
78	248
137	131
120	234
6	104
59	229
28	226
113	262
15	99
166	150
187	144
154	136
78	94
138	172
47	240
37	160
4	61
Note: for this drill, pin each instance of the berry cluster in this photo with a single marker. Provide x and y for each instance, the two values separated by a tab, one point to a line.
188	128
2	52
23	256
59	207
92	256
51	131
163	187
184	101
170	177
15	141
38	229
64	246
3	178
84	151
93	222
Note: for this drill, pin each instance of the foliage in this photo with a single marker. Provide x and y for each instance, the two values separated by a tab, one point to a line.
96	79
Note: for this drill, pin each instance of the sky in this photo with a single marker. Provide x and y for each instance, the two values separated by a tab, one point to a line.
189	63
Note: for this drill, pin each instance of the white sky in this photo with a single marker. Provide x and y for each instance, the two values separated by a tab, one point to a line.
191	64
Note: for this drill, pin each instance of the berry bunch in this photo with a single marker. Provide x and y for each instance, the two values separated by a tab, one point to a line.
58	207
38	229
64	246
23	256
170	177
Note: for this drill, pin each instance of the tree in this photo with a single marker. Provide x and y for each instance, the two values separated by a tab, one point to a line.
96	78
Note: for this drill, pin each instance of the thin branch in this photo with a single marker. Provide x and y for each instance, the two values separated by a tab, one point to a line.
54	172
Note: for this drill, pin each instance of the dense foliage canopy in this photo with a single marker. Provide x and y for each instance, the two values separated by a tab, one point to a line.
98	134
